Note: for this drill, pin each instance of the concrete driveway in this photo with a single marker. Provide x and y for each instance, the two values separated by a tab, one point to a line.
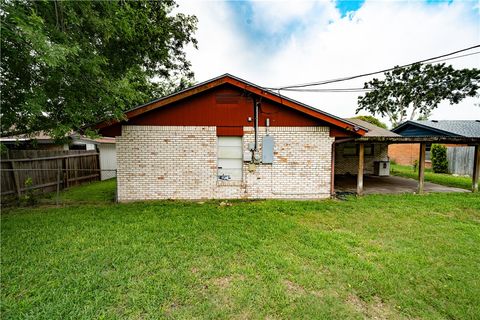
391	184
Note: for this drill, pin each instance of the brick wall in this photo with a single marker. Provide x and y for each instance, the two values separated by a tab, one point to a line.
349	164
406	154
157	162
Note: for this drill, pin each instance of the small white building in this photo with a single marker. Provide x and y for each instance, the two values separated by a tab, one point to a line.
108	157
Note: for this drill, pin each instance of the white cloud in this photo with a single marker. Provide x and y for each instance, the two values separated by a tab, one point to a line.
379	35
275	16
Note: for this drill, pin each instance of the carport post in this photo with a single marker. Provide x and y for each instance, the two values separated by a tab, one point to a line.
421	167
360	169
476	168
332	175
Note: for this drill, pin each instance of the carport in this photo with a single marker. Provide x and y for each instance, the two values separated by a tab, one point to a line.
360	183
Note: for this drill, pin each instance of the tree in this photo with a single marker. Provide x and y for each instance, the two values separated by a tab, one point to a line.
66	64
417	90
372	120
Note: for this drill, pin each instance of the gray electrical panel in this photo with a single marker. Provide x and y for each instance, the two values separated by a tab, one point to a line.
267	149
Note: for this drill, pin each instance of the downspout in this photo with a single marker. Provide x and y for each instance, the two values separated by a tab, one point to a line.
332	172
255	119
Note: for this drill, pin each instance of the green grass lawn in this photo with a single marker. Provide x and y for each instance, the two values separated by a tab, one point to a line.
439	178
384	257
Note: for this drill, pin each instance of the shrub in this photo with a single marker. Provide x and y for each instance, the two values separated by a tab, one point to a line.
438	155
29	196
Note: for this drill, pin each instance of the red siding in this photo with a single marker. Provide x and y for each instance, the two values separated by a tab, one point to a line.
223	106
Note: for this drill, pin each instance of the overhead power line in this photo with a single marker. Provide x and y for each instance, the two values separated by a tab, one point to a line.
364	89
452	58
328	90
311	84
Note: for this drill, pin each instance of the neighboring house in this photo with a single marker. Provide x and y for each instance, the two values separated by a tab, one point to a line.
376	154
226	138
42	141
407	154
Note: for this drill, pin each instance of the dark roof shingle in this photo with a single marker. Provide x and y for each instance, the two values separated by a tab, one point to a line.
465	128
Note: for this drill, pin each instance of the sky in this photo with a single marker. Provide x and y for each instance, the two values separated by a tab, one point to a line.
279	43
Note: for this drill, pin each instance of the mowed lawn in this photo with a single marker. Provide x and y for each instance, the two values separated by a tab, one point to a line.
383	257
430	176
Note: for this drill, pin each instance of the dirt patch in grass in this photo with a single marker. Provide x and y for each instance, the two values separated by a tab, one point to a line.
194	270
294	288
225	282
374	309
222	282
171	308
298	290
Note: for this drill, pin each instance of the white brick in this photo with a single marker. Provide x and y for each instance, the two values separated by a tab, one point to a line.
162	162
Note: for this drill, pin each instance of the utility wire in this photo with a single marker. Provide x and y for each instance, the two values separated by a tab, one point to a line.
328	90
311	84
364	89
452	58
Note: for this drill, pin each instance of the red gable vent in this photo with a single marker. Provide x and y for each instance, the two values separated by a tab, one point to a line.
227	98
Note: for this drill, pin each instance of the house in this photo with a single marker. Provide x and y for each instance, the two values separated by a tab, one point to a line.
227	138
42	141
407	154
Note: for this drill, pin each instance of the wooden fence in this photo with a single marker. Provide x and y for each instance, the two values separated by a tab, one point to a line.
460	160
46	170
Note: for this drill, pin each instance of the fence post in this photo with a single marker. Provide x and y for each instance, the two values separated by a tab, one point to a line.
476	168
58	186
65	173
421	167
16	179
97	156
116	186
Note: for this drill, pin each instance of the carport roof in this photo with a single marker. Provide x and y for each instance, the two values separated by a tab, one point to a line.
437	139
373	130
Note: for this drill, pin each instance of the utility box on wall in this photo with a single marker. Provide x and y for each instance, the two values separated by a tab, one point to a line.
268	144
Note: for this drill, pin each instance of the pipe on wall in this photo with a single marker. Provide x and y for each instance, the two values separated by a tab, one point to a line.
255	117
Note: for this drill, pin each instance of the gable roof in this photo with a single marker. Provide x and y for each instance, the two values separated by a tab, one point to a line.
244	85
373	130
460	128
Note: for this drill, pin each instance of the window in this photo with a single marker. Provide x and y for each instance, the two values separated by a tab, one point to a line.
368	150
230	158
78	147
352	150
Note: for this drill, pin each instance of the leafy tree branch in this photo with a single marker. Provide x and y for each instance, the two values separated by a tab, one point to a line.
66	64
415	91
